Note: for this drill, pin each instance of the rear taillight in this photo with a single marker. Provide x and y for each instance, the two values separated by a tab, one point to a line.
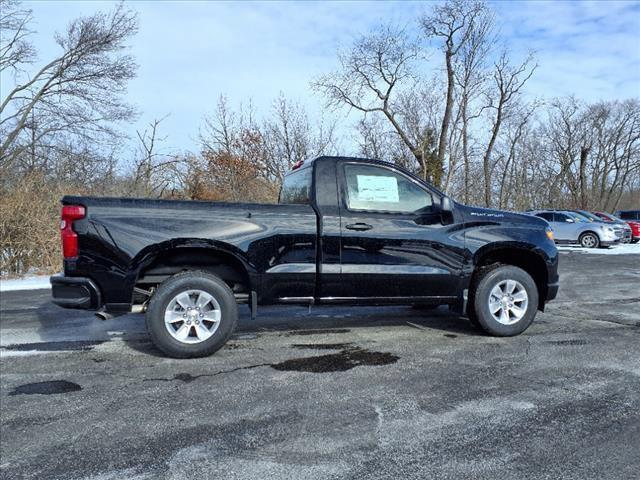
70	213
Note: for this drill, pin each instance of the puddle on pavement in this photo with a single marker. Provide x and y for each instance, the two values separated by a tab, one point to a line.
46	388
322	346
337	362
317	331
185	377
567	342
76	346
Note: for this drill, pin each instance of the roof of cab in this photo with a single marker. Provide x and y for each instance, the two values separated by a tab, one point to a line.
307	163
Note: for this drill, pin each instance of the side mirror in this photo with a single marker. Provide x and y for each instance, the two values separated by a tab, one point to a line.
569	220
446	205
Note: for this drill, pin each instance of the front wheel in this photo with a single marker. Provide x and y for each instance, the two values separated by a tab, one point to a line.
589	240
505	301
192	314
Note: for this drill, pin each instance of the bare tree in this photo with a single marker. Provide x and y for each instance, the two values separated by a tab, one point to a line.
567	138
371	78
233	155
614	128
509	81
15	48
517	129
289	137
79	92
454	23
153	170
470	76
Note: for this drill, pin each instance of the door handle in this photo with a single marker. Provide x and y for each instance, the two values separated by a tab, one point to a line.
360	227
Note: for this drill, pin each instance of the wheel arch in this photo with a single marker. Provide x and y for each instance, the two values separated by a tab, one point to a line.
157	262
584	232
524	256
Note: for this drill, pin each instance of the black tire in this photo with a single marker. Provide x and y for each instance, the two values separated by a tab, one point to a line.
471	311
589	240
479	310
167	291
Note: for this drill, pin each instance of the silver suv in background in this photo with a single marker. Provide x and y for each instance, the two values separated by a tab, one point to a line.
570	228
621	229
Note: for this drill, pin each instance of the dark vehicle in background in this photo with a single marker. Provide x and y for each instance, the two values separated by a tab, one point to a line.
621	229
627	231
571	228
345	231
632	217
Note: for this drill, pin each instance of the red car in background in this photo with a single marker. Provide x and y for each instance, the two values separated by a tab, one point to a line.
631	217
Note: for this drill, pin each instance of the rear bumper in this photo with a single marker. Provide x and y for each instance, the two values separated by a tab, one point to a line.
75	292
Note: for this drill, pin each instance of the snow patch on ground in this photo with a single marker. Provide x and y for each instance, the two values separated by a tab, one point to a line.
23	353
25	283
624	249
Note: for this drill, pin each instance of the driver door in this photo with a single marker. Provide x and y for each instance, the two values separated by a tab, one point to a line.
564	227
393	242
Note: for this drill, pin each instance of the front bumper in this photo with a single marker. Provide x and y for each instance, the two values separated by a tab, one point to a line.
625	236
610	243
75	292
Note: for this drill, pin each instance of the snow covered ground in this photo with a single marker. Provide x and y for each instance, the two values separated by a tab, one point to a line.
26	283
624	249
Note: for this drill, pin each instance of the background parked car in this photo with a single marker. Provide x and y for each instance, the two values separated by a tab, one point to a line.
569	228
608	218
621	231
632	217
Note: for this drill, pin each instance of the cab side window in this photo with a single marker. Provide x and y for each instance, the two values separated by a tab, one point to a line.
296	188
546	215
379	189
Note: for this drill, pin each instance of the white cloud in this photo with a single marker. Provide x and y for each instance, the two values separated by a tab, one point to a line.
590	49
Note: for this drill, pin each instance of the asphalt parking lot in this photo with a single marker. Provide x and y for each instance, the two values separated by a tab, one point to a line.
332	393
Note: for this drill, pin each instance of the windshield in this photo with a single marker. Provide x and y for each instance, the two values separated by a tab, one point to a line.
608	217
589	216
577	217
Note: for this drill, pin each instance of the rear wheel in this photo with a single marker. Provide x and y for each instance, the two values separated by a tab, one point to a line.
589	240
192	314
505	301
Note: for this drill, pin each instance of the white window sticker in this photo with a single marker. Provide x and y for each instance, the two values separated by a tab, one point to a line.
374	188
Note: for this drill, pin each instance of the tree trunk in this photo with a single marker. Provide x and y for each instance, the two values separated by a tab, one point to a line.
446	118
465	147
486	161
584	153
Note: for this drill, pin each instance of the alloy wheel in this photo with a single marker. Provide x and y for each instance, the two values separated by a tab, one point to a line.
508	302
192	316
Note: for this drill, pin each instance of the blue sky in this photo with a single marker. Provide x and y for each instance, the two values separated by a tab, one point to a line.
191	52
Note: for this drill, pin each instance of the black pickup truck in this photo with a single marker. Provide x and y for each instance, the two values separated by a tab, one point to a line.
345	230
